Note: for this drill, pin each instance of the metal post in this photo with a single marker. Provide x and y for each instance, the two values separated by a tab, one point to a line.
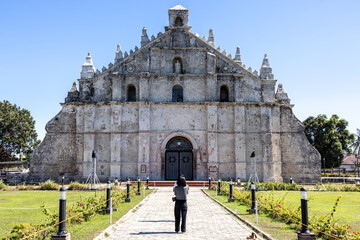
128	199
110	211
62	212
231	198
62	181
108	197
305	232
291	180
138	192
147	182
209	182
256	211
93	183
219	187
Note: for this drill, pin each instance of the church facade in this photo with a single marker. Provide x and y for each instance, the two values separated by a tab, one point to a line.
176	105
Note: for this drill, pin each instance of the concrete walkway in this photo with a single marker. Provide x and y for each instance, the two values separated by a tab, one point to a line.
154	219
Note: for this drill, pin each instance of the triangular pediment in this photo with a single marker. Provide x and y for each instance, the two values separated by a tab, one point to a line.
179	40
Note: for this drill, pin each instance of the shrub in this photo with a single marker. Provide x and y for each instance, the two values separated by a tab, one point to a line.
2	185
49	185
75	186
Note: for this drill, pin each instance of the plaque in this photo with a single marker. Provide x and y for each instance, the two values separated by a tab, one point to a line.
212	168
143	168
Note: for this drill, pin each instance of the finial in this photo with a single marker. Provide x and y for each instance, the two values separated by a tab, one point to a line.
219	49
266	70
74	87
229	56
136	48
237	55
131	52
144	37
126	54
203	38
250	69
103	69
152	37
211	39
88	69
224	52
118	54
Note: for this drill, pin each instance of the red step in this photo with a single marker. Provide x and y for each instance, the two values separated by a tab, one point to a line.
171	183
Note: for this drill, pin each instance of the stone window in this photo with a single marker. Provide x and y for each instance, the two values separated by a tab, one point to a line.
177	65
177	93
131	93
178	21
224	94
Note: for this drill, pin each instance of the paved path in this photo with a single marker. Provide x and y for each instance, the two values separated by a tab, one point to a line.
154	219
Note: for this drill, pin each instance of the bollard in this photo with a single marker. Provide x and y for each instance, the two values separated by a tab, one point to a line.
62	180
128	199
147	182
219	187
253	208
305	232
62	234
291	180
231	198
108	197
138	192
209	182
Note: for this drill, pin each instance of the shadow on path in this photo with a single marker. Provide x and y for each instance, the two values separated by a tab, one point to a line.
158	221
145	233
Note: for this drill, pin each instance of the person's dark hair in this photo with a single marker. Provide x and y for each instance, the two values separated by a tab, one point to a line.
181	181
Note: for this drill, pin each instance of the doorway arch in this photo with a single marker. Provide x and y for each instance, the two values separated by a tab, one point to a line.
179	158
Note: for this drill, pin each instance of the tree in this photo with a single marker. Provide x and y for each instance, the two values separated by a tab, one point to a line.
17	132
330	137
356	148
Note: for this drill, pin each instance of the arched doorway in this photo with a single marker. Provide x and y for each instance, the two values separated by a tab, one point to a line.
178	159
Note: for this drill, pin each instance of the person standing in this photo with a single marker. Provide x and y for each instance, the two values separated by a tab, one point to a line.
181	191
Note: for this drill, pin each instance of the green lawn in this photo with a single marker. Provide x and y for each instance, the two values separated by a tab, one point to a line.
17	207
276	229
321	203
11	203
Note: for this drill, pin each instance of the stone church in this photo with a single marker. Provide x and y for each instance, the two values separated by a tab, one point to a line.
176	104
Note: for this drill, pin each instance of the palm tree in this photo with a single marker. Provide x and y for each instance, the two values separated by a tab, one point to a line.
356	148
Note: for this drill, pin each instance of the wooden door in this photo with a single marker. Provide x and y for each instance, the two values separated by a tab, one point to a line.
186	164
172	165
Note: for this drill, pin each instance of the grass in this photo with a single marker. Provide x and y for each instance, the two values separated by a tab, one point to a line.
276	229
321	203
34	199
29	199
88	230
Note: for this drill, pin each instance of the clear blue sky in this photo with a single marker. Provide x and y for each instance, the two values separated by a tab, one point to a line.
313	46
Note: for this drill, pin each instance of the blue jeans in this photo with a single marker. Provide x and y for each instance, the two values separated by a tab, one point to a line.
180	208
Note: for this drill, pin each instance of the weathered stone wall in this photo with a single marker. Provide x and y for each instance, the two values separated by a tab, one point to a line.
130	135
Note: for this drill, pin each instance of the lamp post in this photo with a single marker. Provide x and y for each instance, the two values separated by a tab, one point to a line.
147	182
138	192
209	182
128	199
62	234
305	232
253	199
108	197
62	180
219	187
231	198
